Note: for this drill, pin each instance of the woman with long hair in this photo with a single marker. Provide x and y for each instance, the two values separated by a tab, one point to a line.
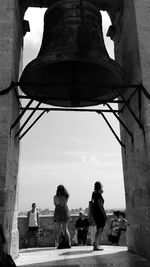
99	214
61	213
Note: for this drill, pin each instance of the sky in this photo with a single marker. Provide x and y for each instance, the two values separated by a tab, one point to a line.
70	148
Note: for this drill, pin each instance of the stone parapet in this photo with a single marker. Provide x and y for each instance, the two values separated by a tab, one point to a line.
47	232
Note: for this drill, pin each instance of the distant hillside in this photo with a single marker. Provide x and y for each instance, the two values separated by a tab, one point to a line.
76	211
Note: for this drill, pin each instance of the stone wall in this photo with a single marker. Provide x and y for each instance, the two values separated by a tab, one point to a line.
10	58
132	51
47	237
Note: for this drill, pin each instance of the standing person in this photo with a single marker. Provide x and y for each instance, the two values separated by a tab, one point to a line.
82	226
61	213
122	228
113	231
33	224
99	214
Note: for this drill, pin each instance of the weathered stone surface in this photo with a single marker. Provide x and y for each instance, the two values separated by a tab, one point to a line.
10	50
133	53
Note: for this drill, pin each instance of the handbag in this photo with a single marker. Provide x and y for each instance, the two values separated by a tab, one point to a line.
90	213
63	242
90	209
74	239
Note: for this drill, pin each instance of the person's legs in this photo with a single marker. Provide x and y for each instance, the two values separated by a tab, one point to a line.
97	237
57	233
35	237
115	240
80	237
84	237
65	231
29	238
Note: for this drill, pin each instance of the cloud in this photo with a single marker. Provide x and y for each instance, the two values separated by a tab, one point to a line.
69	159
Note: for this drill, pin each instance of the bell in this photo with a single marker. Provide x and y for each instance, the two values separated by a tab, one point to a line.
73	68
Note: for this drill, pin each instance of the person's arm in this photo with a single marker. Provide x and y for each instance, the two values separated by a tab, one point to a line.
92	197
76	225
56	200
28	214
123	225
87	224
38	219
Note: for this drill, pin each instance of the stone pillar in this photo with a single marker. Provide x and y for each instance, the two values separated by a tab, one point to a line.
132	50
10	55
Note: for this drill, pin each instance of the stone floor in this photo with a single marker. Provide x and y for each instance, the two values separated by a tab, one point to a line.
112	256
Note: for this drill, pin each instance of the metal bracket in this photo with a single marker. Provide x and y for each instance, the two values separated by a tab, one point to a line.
126	104
121	122
109	125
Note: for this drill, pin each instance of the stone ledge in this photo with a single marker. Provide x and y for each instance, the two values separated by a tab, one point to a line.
47	232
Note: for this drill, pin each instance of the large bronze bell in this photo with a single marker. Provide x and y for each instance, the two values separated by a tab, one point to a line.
73	68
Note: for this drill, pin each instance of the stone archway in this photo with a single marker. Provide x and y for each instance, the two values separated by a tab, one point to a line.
130	32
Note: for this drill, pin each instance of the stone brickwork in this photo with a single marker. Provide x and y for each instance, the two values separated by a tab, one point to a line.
10	50
133	52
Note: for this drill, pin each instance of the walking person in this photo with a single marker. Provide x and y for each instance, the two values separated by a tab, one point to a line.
33	224
61	215
99	213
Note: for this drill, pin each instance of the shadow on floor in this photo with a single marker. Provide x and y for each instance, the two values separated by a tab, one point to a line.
77	252
80	256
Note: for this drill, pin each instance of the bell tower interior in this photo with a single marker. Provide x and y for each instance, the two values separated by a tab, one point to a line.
132	53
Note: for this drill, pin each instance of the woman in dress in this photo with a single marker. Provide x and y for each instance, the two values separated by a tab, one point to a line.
61	213
99	214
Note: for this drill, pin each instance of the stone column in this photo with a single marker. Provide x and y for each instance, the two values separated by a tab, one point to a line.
132	50
10	55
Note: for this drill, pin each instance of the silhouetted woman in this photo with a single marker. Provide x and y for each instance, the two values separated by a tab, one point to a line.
61	213
99	214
